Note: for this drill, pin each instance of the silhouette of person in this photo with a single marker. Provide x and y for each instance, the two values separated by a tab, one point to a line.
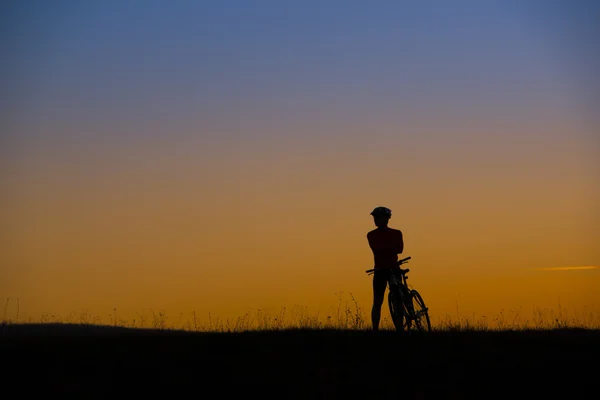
386	243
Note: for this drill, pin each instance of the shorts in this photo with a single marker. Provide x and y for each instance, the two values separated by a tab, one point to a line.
380	280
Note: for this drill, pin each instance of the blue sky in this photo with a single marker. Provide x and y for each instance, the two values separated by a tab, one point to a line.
190	60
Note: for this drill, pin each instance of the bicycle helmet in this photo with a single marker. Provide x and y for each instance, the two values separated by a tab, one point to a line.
384	211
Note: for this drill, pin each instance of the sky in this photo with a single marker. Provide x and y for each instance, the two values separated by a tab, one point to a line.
223	157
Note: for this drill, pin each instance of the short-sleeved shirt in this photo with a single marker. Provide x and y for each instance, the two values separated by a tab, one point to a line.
386	244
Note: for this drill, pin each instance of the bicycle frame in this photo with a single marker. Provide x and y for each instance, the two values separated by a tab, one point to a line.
407	298
398	279
393	280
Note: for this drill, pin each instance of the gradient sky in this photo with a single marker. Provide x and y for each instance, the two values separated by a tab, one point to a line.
224	156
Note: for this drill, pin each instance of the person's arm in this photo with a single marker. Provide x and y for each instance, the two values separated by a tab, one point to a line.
372	249
400	244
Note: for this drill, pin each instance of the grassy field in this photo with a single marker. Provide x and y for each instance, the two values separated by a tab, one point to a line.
347	315
291	354
88	362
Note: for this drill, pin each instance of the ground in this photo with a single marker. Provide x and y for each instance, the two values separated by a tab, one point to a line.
89	362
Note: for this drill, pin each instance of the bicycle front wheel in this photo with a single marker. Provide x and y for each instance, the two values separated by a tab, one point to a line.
396	309
421	313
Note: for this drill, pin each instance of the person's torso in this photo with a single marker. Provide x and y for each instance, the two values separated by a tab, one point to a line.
384	244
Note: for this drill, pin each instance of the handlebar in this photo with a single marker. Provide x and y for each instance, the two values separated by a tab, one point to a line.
400	262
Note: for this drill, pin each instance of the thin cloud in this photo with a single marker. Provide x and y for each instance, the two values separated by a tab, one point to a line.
574	268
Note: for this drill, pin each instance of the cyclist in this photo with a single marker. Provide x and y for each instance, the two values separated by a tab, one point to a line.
386	243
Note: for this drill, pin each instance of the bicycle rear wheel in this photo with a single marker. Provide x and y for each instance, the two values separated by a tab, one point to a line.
421	313
396	309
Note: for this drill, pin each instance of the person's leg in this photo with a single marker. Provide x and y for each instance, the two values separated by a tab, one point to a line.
379	285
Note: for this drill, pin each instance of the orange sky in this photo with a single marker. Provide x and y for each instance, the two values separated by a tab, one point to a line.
239	231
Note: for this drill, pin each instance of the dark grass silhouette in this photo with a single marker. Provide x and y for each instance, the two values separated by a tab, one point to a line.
89	362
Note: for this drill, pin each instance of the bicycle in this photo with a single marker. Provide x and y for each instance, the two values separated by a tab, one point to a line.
406	305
